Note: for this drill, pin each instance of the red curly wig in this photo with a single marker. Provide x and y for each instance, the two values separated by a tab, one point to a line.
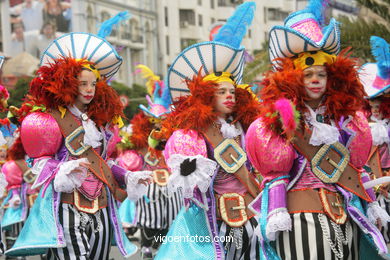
343	97
197	112
57	85
16	151
141	130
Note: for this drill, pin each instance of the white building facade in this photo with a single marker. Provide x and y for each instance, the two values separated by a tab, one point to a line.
185	22
136	39
159	30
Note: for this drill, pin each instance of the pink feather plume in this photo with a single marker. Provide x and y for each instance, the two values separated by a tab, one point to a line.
287	113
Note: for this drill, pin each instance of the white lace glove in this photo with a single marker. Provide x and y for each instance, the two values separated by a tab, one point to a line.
137	184
278	222
200	178
375	213
15	201
70	175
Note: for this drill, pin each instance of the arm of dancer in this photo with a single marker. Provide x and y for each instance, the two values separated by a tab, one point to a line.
273	157
186	156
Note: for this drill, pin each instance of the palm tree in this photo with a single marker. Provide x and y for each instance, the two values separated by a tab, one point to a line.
357	33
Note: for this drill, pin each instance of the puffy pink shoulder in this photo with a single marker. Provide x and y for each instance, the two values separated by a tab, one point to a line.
40	134
269	153
185	142
13	174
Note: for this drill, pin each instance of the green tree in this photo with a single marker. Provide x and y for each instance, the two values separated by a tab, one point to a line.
136	96
357	33
18	93
381	8
258	66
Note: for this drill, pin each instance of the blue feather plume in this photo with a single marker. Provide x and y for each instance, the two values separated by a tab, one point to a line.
236	26
380	49
165	98
106	26
317	8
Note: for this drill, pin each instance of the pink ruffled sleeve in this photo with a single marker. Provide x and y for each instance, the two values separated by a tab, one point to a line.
270	154
13	174
185	142
361	144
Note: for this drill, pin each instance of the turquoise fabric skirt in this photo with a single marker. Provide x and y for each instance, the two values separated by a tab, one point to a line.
188	237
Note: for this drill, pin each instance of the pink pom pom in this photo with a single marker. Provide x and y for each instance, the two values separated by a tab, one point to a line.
287	114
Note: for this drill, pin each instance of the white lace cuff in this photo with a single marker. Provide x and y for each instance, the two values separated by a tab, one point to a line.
135	190
200	178
278	221
15	201
70	175
375	212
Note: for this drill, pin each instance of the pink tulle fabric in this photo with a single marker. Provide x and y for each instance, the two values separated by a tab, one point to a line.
130	160
158	109
185	142
361	144
271	155
13	174
309	28
40	134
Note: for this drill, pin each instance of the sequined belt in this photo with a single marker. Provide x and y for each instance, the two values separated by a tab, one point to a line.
233	209
317	201
83	204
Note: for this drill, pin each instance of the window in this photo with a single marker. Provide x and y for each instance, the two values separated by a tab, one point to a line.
275	14
212	20
212	4
187	17
184	43
104	16
166	16
167	44
199	2
126	35
200	20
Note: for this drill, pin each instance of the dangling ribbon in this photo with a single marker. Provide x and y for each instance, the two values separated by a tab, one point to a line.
266	250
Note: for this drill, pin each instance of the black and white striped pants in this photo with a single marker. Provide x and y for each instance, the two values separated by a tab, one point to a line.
159	209
250	246
385	204
307	239
87	236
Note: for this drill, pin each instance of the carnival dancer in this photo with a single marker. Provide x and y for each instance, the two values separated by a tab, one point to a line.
155	210
21	196
310	145
75	214
205	151
376	80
